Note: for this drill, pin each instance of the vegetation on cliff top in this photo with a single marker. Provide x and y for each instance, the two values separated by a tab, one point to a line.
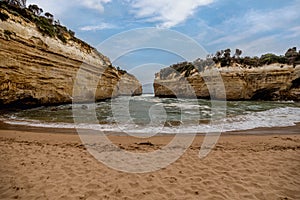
46	24
223	58
291	57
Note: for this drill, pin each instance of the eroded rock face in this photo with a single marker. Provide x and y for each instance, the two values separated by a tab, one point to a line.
271	82
39	70
129	86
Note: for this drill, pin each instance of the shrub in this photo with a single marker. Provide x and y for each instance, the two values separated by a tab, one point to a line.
72	33
267	59
62	37
44	26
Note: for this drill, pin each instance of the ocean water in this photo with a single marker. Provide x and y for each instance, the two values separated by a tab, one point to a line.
148	115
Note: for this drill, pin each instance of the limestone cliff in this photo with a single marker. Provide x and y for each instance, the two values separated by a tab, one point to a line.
128	85
36	69
269	82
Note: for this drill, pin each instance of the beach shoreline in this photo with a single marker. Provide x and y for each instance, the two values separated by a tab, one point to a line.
281	130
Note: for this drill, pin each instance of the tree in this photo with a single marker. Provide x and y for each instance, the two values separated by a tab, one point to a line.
18	3
292	55
238	53
217	57
35	9
227	53
225	61
57	22
50	17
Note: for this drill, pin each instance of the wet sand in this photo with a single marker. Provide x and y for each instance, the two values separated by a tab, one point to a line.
38	163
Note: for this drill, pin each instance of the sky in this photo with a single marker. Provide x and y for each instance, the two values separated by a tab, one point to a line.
254	26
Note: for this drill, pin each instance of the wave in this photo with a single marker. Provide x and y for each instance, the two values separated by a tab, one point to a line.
277	117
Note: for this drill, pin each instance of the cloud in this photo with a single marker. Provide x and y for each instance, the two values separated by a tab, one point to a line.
101	26
260	46
293	32
59	7
257	22
94	4
167	13
255	31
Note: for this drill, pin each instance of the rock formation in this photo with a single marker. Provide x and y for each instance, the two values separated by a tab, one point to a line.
36	69
269	82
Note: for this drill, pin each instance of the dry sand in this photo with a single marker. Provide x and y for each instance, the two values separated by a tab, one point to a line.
49	165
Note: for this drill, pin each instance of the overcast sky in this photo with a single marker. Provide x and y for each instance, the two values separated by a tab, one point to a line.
254	26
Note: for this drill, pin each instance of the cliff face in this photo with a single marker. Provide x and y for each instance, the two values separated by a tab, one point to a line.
38	70
128	85
271	82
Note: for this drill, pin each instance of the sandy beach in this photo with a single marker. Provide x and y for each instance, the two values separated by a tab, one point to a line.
53	164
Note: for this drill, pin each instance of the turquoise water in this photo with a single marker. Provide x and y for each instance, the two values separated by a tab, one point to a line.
147	113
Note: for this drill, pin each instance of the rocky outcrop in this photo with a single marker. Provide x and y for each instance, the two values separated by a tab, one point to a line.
270	82
39	70
128	85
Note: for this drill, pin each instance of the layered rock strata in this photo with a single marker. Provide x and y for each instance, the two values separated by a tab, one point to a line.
270	82
39	70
